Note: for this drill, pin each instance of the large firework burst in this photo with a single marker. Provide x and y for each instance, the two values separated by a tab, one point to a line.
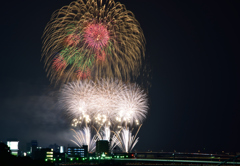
104	102
131	105
89	39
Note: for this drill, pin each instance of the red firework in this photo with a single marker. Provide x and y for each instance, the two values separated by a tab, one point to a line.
83	74
96	36
72	39
101	55
59	63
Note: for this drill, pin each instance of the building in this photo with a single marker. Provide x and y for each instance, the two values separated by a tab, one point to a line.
102	147
44	154
13	145
33	148
59	157
55	147
78	151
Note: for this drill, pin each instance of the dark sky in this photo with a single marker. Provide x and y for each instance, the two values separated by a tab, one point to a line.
193	48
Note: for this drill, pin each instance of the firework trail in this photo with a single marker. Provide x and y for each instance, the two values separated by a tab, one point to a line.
125	140
115	141
106	132
83	137
105	102
88	39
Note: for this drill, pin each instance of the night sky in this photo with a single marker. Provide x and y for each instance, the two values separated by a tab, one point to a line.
193	49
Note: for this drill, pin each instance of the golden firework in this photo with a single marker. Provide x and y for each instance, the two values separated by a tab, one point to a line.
91	40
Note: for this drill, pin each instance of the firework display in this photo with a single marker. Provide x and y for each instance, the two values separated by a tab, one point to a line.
91	40
97	49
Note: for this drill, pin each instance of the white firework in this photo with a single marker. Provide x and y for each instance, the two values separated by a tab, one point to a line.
132	105
107	93
83	137
106	133
76	98
114	142
125	140
105	102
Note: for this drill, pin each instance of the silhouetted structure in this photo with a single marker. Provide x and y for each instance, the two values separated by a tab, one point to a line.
102	146
44	154
55	147
4	149
34	145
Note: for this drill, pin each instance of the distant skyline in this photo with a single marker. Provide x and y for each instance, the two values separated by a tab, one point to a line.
193	50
